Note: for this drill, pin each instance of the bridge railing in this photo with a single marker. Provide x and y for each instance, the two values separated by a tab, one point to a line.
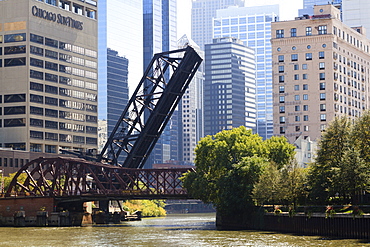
71	177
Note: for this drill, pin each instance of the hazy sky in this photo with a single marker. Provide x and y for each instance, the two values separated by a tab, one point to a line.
288	10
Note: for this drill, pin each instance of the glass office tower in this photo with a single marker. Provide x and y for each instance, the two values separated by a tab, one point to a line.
252	25
229	86
120	55
202	13
159	34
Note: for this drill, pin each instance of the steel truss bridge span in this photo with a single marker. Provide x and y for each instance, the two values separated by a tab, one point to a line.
75	179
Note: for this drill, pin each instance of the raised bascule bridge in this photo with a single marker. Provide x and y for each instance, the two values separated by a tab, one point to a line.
47	186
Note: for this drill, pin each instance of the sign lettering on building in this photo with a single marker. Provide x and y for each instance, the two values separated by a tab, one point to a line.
58	18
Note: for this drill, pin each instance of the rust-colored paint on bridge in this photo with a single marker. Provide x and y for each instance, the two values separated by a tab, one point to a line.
75	179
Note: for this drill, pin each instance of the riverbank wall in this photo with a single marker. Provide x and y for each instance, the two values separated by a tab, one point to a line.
339	225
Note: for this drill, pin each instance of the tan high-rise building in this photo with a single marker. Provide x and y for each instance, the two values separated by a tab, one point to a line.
320	70
48	75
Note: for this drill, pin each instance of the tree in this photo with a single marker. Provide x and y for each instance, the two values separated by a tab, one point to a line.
340	170
280	151
267	190
361	136
292	181
228	165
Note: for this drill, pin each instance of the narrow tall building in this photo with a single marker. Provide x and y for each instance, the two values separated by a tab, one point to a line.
159	34
321	70
48	75
252	25
191	110
229	88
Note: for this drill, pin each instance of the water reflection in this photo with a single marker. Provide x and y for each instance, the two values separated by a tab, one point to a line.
173	230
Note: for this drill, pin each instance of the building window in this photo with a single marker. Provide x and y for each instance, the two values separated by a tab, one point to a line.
10	62
282	130
308	56
11	98
281	58
296	87
17	37
281	68
321	54
296	97
322	85
282	119
305	86
14	49
308	31
297	108
282	109
297	128
281	78
321	65
305	107
36	38
280	33
322	29
293	32
297	118
281	89
281	99
296	66
305	117
50	149
322	127
305	76
322	117
322	76
35	147
305	96
322	107
296	77
322	96
14	110
304	66
294	57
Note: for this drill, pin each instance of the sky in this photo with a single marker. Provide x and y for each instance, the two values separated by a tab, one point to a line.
288	11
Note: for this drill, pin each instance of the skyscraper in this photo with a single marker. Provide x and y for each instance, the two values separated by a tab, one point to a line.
120	56
321	71
202	13
159	34
356	14
229	87
48	75
191	110
253	26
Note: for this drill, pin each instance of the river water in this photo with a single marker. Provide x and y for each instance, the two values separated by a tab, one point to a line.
173	230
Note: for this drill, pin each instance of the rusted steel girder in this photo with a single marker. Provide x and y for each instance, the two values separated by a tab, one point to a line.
75	177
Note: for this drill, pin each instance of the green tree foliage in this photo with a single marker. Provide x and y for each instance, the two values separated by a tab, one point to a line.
229	164
280	151
148	208
341	169
332	148
361	136
281	186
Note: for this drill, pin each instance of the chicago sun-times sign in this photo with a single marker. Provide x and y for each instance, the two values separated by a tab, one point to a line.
58	18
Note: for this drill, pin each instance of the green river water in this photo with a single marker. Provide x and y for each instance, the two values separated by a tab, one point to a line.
173	230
